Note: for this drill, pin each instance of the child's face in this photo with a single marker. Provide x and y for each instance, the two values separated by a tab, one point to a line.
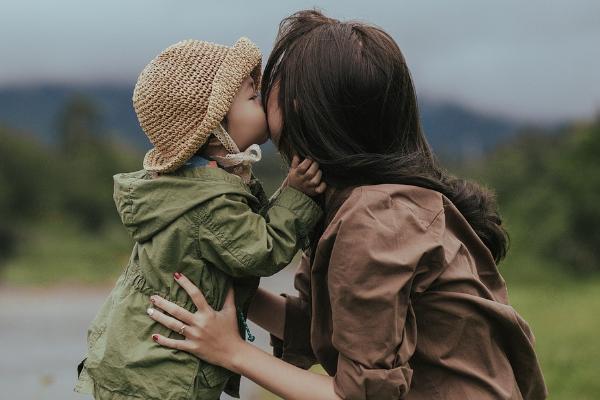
246	121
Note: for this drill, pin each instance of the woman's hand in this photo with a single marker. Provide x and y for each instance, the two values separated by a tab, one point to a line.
214	337
210	335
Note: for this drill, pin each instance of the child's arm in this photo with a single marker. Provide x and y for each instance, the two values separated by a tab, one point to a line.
242	243
267	310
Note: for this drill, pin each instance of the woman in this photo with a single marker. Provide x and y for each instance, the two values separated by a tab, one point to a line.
399	294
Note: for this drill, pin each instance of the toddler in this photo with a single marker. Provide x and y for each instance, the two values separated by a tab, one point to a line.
194	208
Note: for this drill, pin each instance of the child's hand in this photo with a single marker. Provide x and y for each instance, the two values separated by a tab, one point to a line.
306	176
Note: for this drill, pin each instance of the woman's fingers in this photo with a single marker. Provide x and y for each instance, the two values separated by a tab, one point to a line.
177	312
166	320
193	291
184	345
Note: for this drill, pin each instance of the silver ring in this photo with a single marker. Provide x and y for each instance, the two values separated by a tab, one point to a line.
181	330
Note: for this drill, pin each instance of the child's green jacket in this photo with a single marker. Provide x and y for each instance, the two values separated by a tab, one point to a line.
209	225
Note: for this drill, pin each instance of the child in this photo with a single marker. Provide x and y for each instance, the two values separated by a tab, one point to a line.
195	208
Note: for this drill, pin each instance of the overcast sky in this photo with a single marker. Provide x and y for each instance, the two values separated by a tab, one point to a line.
534	59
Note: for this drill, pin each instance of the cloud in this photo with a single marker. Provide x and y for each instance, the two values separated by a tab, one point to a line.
533	60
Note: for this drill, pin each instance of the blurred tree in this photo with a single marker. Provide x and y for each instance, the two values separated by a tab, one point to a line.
57	215
90	159
579	176
79	126
548	187
28	176
41	185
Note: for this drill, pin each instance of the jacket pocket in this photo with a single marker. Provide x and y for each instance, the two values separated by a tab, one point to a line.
95	345
94	334
211	376
123	358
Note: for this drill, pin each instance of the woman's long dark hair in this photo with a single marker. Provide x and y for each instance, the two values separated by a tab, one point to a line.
348	102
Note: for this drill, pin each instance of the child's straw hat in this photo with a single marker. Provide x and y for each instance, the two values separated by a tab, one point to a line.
184	93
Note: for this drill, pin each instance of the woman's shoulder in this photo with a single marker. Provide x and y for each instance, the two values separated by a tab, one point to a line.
394	201
384	225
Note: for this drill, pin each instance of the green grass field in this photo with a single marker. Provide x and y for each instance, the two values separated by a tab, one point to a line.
564	319
59	252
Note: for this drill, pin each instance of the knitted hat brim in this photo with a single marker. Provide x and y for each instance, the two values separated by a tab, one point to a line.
242	60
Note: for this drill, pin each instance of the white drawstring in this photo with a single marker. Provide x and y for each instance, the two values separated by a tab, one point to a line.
239	161
251	155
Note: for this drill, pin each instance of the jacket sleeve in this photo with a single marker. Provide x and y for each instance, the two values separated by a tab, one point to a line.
295	348
373	261
243	243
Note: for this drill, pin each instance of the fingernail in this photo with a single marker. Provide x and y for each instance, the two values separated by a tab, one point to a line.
177	275
152	299
150	311
155	338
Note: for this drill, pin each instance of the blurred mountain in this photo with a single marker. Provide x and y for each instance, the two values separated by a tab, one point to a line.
36	109
457	132
452	129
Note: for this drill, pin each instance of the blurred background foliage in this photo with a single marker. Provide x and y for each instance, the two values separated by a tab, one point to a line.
58	224
547	181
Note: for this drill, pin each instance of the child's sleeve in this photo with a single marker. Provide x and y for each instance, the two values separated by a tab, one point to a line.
243	243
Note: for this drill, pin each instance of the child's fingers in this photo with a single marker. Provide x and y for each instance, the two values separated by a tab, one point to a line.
304	165
315	180
313	169
321	188
295	161
192	290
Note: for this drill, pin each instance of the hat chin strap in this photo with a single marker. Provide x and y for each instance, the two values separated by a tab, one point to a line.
251	155
226	140
240	160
